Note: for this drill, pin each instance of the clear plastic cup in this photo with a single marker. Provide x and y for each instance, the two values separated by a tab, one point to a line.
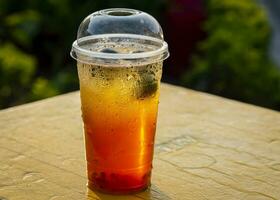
119	55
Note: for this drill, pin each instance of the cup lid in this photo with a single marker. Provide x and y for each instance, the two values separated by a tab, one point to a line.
119	36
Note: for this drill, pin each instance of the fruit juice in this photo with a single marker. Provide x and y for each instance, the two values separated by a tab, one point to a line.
119	110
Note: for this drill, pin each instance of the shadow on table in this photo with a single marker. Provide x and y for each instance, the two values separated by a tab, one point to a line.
153	193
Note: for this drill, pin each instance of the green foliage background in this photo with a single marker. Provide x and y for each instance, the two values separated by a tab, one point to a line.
36	38
233	60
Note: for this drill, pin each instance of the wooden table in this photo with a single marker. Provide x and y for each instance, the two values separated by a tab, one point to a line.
207	147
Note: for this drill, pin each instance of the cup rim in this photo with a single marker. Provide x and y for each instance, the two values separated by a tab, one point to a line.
111	11
161	52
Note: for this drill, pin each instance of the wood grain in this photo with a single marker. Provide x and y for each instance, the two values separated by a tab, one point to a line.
207	147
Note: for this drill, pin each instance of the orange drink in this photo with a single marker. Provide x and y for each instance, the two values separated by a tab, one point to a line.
119	107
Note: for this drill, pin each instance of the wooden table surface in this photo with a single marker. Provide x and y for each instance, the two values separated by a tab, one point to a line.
207	147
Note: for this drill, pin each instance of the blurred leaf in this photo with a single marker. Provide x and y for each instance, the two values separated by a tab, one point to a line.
16	64
17	69
25	25
42	88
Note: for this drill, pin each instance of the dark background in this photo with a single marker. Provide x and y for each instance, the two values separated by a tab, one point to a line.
221	47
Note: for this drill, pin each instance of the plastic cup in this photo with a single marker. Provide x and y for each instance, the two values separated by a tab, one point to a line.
119	74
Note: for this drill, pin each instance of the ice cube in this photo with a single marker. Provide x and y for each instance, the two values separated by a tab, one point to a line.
147	86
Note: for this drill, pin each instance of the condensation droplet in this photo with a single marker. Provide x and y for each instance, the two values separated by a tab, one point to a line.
32	177
18	157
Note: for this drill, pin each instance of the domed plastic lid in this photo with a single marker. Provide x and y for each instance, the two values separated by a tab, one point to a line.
119	37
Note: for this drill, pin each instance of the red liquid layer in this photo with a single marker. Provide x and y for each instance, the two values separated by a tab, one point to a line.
119	145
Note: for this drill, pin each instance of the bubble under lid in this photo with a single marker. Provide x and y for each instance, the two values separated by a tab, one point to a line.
119	36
